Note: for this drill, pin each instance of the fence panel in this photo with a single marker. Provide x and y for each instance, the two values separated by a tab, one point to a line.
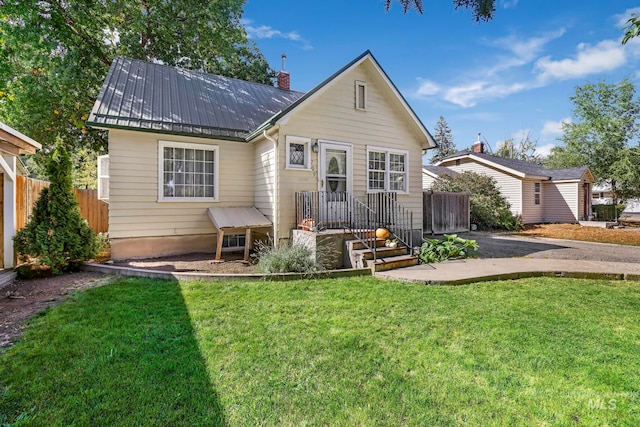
95	211
446	212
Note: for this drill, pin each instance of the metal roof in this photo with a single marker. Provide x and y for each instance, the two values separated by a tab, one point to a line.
524	167
160	98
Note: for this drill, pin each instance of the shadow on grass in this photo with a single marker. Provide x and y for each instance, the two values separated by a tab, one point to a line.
123	354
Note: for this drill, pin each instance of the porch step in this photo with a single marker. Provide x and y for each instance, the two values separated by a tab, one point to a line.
356	245
390	263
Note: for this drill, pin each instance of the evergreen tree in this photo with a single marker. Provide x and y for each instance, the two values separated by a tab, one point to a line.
444	139
56	234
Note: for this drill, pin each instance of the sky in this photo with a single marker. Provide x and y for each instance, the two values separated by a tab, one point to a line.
506	78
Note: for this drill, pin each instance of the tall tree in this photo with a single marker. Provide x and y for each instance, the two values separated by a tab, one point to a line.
55	55
444	138
603	133
483	10
525	149
632	29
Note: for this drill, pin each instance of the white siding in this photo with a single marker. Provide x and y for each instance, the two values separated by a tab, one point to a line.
510	186
427	181
134	210
332	116
532	213
561	202
265	184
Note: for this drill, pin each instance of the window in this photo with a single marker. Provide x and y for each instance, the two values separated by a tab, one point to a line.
361	95
457	162
298	156
187	172
103	177
537	193
387	170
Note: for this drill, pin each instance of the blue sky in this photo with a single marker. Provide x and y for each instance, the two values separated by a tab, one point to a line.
505	78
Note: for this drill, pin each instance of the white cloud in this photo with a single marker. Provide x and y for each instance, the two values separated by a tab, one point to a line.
509	4
427	88
489	83
545	150
268	32
551	128
470	94
606	55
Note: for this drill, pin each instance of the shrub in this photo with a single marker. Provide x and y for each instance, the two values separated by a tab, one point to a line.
489	209
451	246
286	258
56	234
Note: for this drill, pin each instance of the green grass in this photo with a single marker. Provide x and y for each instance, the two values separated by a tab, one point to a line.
331	352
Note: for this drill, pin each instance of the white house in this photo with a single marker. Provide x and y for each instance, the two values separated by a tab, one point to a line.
181	142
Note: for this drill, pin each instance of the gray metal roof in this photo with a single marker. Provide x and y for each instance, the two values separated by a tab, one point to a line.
160	98
526	168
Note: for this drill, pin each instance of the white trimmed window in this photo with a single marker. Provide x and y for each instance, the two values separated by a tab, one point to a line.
361	95
187	172
536	196
298	152
387	170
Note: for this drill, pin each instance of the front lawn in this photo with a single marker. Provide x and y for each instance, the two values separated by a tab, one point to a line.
346	352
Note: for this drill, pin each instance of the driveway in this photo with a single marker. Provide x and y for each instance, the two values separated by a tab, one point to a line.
499	245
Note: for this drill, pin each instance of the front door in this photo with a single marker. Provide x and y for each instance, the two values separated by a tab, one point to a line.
335	182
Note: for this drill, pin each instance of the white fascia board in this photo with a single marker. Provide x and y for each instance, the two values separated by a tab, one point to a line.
21	136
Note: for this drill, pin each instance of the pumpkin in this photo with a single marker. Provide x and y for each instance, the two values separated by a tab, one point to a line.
382	233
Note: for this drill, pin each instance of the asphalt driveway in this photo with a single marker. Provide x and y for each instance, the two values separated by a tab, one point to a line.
499	245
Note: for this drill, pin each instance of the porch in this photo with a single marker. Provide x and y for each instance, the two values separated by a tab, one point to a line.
320	211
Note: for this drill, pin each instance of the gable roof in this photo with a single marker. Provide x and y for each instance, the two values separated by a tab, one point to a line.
326	84
160	98
436	171
15	142
521	168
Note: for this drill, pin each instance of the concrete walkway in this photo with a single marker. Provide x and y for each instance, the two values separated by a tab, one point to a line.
458	272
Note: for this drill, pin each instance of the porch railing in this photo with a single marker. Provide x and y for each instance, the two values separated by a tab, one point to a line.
392	215
322	210
319	210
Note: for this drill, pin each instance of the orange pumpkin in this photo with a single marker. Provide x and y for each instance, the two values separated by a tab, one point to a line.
382	233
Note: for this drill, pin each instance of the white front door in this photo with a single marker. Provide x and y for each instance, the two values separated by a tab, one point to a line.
335	180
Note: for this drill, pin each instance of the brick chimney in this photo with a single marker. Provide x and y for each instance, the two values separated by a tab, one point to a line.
284	81
478	147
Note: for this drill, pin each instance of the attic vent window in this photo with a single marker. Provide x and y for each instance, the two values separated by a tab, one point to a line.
361	95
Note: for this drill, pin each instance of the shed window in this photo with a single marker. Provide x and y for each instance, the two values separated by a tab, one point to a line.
187	172
361	95
387	170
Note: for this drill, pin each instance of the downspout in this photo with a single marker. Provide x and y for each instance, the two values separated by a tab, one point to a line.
276	186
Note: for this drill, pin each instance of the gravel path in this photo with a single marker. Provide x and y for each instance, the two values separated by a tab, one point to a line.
498	245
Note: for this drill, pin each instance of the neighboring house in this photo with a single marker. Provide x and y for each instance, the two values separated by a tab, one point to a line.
430	173
12	144
537	194
602	195
181	142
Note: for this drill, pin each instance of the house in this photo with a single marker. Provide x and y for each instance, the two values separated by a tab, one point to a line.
430	173
12	144
182	142
537	194
602	195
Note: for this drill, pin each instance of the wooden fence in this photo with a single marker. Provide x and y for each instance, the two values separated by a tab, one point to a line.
95	211
446	212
